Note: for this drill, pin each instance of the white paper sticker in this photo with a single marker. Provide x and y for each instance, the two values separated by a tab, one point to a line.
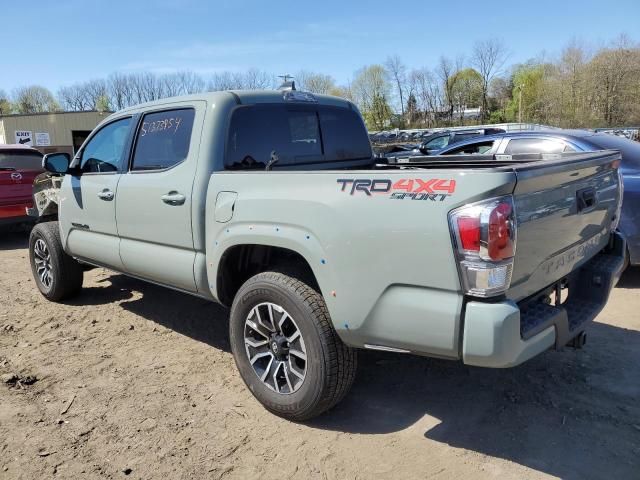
42	139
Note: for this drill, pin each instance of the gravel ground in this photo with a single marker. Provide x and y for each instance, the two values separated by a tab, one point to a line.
132	380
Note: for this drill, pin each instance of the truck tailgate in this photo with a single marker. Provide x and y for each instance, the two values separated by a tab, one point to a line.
565	208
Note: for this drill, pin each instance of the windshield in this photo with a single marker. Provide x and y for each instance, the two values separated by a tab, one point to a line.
289	135
20	160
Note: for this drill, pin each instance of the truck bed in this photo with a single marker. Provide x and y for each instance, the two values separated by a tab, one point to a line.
392	249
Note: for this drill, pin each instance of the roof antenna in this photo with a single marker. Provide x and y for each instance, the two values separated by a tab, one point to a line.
287	82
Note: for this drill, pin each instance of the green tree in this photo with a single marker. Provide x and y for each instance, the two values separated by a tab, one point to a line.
529	82
102	104
5	104
380	113
412	109
371	91
34	99
466	90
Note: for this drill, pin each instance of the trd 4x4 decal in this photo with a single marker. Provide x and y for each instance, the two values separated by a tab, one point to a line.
433	189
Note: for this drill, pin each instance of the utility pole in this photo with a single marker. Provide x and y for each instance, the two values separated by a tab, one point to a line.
521	86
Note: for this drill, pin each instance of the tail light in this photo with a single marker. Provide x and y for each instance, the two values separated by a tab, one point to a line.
485	241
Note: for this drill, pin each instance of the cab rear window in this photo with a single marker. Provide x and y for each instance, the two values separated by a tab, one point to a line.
288	135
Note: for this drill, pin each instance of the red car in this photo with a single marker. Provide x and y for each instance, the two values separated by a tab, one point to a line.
19	165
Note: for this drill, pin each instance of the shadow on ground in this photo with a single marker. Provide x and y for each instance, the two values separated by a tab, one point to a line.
630	278
199	319
14	237
573	414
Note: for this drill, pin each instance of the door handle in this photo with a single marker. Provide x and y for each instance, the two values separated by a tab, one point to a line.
106	194
173	198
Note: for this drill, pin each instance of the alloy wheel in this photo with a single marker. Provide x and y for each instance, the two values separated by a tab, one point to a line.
275	348
42	259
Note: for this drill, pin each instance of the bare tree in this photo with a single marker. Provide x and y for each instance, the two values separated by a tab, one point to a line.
315	82
255	79
190	82
425	85
73	98
95	91
252	79
225	81
170	85
120	91
398	73
488	58
446	72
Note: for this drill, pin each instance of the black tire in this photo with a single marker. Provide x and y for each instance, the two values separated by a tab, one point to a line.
65	273
330	364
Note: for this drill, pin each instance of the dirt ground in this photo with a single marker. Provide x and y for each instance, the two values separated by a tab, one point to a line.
132	380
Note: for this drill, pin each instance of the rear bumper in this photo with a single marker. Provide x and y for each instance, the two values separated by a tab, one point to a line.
505	334
14	213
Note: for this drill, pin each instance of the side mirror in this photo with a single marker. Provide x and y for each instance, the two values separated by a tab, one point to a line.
56	162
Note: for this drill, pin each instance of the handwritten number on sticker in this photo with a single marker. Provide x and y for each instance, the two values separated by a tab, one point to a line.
169	124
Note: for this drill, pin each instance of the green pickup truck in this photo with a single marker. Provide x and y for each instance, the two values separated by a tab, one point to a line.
271	203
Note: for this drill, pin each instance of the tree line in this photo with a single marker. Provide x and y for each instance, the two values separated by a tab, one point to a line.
583	87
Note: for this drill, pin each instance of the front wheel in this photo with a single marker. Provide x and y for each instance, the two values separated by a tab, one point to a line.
57	275
286	348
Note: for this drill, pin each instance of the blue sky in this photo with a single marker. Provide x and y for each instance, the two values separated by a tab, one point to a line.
55	43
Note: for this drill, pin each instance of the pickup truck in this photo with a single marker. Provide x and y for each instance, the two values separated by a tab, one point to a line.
271	203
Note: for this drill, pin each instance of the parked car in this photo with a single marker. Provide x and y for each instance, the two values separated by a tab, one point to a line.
559	141
19	165
433	143
272	204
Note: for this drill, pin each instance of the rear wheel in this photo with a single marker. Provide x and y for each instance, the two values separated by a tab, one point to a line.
286	349
57	275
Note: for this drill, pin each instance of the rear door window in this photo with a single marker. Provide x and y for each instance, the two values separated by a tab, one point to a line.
20	160
534	145
459	137
475	148
163	139
437	143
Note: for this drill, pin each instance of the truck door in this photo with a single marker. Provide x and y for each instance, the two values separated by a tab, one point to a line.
88	199
154	198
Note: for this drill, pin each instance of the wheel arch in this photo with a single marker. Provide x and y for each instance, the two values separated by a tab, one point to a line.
241	261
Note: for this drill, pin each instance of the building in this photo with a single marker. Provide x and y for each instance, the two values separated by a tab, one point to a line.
50	132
